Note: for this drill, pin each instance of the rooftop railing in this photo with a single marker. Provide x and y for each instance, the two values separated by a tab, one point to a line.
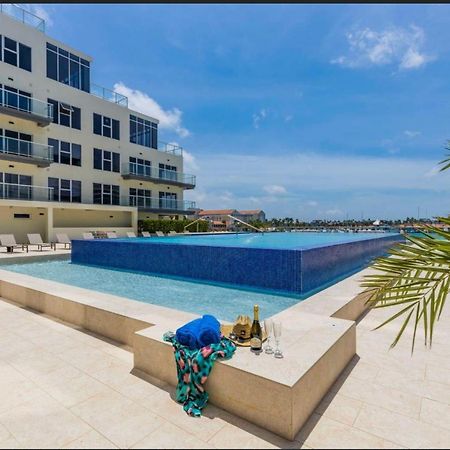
173	149
26	105
156	174
110	95
22	15
26	149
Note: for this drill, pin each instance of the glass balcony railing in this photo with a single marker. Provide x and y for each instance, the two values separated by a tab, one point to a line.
25	192
22	15
160	204
26	149
110	95
157	175
24	105
173	149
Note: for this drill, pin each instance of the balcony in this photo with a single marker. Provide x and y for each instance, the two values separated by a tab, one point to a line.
23	16
161	205
109	95
24	107
25	192
134	171
18	150
172	149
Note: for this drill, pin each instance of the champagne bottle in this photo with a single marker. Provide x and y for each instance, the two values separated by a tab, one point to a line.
256	333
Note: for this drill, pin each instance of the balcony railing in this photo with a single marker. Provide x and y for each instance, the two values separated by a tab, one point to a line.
22	15
19	148
141	171
25	192
160	204
25	107
173	149
110	95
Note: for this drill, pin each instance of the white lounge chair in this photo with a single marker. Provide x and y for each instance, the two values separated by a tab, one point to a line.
160	234
111	235
88	236
172	233
9	241
131	234
36	239
146	234
62	238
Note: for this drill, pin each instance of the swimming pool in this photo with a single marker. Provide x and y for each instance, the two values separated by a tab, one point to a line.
285	262
198	298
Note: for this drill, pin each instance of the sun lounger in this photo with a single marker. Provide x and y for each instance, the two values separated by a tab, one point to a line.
172	233
62	238
36	239
131	234
88	236
111	235
9	241
146	234
160	234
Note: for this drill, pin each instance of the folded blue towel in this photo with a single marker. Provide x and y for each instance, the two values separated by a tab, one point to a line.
188	334
209	332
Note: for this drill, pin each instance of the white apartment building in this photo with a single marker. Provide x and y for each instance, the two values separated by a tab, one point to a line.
73	156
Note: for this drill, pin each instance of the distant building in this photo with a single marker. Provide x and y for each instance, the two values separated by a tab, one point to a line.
252	215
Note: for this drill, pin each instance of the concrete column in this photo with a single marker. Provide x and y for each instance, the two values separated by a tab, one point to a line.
50	236
134	220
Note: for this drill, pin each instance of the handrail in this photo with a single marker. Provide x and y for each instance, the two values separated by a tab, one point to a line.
245	223
192	223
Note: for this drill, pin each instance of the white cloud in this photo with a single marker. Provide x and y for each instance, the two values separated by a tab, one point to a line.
38	10
275	189
259	117
312	203
190	162
400	46
411	134
170	119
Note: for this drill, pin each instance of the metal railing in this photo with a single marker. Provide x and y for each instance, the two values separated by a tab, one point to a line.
173	149
159	203
246	224
26	104
19	147
153	173
22	15
109	94
25	192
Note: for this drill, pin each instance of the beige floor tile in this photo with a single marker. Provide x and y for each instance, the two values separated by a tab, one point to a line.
435	413
402	430
438	374
170	436
92	439
117	418
340	408
42	422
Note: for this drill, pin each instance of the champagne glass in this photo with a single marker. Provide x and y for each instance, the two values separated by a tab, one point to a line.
268	326
277	333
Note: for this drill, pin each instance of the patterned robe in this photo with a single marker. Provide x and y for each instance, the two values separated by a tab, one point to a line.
193	369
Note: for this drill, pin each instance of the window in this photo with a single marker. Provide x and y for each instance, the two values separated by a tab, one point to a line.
168	200
65	152
13	98
141	198
140	167
68	68
66	115
15	53
65	190
143	132
106	160
22	216
106	194
105	126
15	143
167	172
15	186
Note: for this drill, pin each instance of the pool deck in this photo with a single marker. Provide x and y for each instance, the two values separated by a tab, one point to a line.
62	386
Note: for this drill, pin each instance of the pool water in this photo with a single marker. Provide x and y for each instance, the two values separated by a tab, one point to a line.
199	298
284	241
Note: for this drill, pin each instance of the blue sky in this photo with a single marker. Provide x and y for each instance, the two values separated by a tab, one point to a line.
307	111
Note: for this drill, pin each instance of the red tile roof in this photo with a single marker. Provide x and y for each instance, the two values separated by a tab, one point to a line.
216	212
251	211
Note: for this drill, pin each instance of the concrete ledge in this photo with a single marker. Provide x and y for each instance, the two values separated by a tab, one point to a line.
278	395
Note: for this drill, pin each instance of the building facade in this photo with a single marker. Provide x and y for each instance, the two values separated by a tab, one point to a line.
73	156
220	219
252	215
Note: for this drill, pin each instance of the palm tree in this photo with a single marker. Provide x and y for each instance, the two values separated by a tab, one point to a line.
415	279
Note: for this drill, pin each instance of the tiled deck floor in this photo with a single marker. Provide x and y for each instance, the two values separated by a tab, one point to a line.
61	387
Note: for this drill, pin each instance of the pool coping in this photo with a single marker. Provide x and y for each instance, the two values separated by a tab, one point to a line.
319	341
